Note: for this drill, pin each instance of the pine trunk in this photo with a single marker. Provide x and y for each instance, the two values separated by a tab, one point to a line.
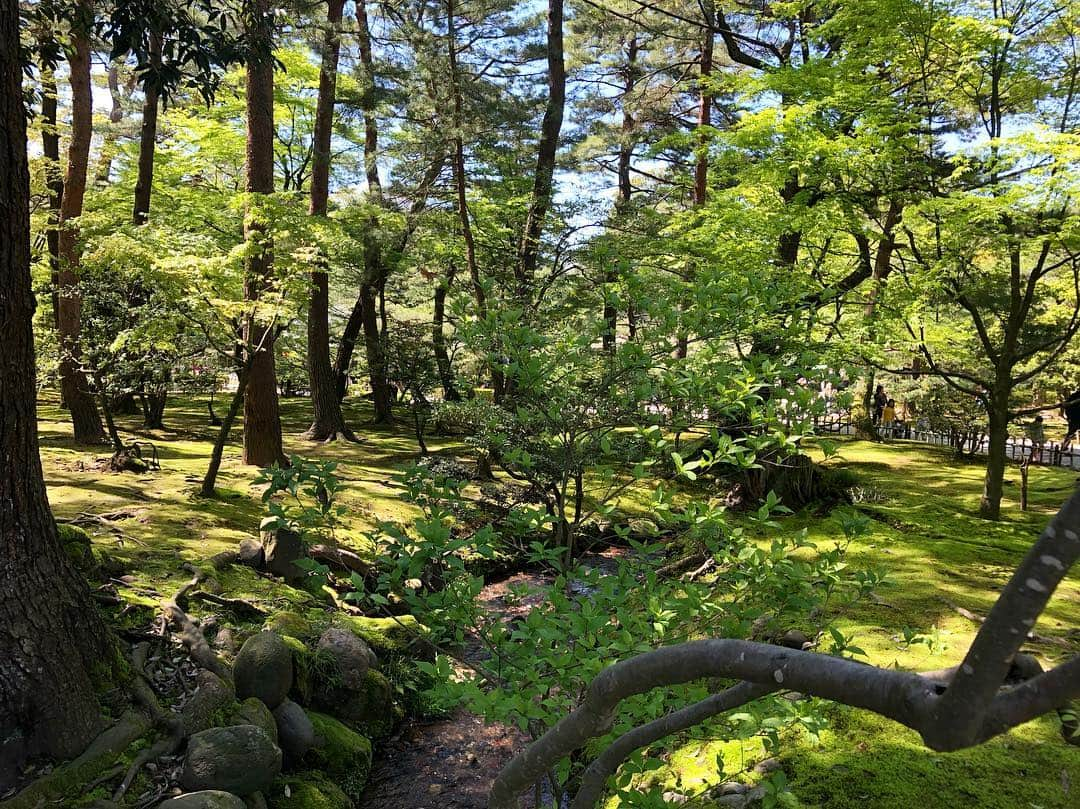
262	419
996	458
328	421
51	638
73	380
147	144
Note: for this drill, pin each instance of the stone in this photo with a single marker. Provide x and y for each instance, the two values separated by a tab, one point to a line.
281	549
251	553
400	636
290	623
731	788
225	640
255	801
296	734
253	711
77	545
741	800
676	798
1024	667
341	753
264	669
794	639
240	759
309	792
351	655
767	765
206	799
369	709
208	704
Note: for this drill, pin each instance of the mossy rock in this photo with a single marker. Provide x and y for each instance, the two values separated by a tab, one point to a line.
252	711
290	624
402	635
369	709
78	546
340	752
308	791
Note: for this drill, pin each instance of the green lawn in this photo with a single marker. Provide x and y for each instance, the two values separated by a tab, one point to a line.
923	535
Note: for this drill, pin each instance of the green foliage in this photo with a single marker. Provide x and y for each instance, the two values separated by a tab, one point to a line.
301	497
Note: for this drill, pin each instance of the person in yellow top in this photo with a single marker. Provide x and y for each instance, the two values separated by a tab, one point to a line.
888	417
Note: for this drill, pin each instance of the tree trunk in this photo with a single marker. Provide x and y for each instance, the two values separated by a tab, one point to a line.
438	337
54	181
343	360
626	189
147	142
52	640
328	422
996	460
262	421
108	143
381	395
73	380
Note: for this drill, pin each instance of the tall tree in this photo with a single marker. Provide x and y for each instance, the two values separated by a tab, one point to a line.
328	423
73	379
51	636
262	419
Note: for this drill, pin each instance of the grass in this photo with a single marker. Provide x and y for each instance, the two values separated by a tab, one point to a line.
923	534
937	556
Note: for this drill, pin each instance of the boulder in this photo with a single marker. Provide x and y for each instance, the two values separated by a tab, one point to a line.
255	801
207	799
281	550
340	752
211	699
241	759
369	709
295	733
264	669
351	655
251	553
290	623
309	792
794	639
400	636
77	545
253	711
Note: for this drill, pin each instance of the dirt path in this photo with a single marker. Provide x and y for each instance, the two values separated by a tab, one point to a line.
452	762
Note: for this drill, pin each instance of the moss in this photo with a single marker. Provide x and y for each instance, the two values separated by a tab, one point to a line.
374	708
310	790
340	752
290	623
399	635
78	546
251	712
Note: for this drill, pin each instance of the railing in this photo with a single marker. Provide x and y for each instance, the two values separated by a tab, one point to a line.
1049	453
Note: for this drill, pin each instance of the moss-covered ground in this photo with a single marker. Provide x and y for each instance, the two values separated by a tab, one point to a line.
938	556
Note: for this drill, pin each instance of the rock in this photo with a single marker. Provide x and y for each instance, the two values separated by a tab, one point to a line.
240	759
767	765
369	709
264	669
225	640
1024	667
401	636
676	798
255	801
251	553
309	792
794	639
253	711
290	623
281	549
207	799
351	655
741	800
340	752
295	733
730	788
211	699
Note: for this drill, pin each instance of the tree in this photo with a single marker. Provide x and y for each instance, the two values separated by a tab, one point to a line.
328	422
262	420
73	379
52	641
952	709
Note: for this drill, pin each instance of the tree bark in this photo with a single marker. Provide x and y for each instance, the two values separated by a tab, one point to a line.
626	188
147	141
328	422
996	457
54	181
52	641
73	380
116	115
262	420
438	337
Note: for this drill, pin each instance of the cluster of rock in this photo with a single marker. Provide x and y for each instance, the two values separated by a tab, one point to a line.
294	728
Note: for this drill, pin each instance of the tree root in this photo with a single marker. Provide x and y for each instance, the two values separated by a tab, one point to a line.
237	606
190	635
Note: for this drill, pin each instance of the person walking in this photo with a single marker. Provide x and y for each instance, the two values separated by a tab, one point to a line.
881	399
